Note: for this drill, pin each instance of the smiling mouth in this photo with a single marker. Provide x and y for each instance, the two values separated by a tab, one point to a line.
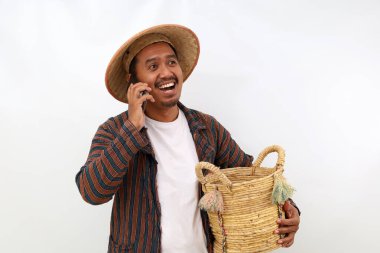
167	86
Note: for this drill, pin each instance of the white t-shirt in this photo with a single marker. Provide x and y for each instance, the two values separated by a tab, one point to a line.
175	152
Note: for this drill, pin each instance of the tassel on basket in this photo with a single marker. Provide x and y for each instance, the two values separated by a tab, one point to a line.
212	202
281	190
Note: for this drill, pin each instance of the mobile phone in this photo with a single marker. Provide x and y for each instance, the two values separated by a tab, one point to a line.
144	103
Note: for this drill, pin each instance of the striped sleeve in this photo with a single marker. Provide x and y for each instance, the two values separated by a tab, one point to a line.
228	154
112	149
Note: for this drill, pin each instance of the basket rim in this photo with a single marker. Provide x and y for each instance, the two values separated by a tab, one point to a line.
245	182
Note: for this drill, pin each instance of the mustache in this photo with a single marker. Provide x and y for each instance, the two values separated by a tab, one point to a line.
159	81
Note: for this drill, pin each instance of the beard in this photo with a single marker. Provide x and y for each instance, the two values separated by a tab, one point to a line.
170	104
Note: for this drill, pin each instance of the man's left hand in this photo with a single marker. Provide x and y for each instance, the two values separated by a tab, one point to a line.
289	225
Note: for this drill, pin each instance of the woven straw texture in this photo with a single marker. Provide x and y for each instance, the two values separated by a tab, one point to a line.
249	217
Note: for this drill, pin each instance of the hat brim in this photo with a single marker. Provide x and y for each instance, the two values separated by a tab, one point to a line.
183	40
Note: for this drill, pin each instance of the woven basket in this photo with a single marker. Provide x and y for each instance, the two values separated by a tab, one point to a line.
248	217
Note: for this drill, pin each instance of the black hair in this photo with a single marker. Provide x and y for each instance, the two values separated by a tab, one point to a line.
132	71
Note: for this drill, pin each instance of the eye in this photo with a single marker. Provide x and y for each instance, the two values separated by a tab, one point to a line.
152	67
172	62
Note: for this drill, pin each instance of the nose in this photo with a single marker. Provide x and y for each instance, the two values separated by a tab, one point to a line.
165	72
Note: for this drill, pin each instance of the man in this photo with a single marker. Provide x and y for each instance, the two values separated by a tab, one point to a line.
145	157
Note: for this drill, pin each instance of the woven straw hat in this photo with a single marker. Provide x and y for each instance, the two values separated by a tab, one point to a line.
184	41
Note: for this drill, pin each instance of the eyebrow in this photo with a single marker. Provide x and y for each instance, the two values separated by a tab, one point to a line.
155	58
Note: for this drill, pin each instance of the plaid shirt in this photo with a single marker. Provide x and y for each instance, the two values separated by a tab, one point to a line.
121	163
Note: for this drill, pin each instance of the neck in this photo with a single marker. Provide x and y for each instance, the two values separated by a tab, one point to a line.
166	114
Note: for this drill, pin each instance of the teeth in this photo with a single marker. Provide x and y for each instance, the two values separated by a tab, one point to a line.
166	85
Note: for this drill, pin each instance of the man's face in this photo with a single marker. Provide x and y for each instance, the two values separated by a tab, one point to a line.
157	65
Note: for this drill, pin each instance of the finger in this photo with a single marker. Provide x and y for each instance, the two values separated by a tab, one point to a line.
149	97
136	91
288	239
286	242
135	85
287	245
132	87
286	230
289	222
144	98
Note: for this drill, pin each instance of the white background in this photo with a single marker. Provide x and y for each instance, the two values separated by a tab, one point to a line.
302	74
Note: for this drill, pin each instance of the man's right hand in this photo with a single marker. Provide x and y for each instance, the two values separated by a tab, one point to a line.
135	103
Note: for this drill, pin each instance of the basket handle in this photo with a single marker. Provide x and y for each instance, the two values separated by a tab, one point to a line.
215	175
280	159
